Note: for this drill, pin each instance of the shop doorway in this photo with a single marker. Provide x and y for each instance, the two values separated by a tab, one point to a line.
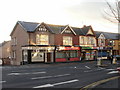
48	57
83	55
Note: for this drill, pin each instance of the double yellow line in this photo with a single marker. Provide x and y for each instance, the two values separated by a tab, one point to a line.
98	83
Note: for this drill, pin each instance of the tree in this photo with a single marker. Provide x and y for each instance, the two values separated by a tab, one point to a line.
112	13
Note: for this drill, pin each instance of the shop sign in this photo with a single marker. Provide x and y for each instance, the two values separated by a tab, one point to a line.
86	47
38	48
108	48
69	48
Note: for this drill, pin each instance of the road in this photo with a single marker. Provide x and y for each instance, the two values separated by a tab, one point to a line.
58	75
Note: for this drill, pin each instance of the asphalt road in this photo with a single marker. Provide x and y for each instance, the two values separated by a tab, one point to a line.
59	75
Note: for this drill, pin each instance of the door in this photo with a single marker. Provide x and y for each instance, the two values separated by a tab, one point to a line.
48	57
83	55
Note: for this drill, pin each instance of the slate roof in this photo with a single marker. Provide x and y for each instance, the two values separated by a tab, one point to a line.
107	35
78	31
56	29
29	26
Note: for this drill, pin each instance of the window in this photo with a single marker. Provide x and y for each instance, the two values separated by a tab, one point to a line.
73	54
14	54
42	39
60	55
67	40
14	41
101	42
81	40
111	43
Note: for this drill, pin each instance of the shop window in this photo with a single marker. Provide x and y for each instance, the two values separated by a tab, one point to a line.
37	56
60	55
73	54
67	40
42	39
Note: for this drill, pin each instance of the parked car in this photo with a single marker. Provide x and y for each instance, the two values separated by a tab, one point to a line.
118	69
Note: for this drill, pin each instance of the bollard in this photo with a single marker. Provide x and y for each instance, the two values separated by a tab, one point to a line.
99	63
114	60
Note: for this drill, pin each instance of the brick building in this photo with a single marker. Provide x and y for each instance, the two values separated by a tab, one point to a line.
41	42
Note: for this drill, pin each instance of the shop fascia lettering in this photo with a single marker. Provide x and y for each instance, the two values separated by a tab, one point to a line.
38	48
69	48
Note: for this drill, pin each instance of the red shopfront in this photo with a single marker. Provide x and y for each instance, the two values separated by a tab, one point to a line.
67	53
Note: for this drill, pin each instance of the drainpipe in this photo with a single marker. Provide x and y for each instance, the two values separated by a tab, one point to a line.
54	60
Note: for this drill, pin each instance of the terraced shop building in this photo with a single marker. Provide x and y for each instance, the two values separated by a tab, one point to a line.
41	42
108	44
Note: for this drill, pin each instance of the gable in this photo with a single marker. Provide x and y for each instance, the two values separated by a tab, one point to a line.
68	30
44	28
101	36
90	32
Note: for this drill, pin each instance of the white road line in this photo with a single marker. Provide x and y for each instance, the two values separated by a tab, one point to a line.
109	69
26	73
37	72
112	72
51	85
2	81
50	76
87	67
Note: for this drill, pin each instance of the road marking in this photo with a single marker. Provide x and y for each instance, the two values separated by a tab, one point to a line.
50	76
109	69
26	73
98	83
87	67
51	85
112	72
2	81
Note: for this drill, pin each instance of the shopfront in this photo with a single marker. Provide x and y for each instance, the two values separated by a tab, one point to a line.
39	53
105	52
89	53
67	53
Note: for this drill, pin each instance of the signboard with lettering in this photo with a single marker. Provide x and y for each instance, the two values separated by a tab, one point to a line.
69	48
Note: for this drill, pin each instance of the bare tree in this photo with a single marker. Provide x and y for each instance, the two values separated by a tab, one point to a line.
112	13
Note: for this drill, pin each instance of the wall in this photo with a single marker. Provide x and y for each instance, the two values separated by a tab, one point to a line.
22	39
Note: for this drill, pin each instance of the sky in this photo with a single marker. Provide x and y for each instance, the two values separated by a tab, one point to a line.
76	13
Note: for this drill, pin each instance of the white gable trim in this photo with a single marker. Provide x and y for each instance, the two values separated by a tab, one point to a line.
90	32
101	36
70	29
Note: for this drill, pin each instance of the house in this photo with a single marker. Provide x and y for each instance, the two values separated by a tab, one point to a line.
108	44
5	52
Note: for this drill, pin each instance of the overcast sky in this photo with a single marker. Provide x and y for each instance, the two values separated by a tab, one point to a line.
73	12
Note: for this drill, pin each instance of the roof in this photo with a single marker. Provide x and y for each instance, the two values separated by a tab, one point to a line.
107	35
56	29
29	26
78	31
